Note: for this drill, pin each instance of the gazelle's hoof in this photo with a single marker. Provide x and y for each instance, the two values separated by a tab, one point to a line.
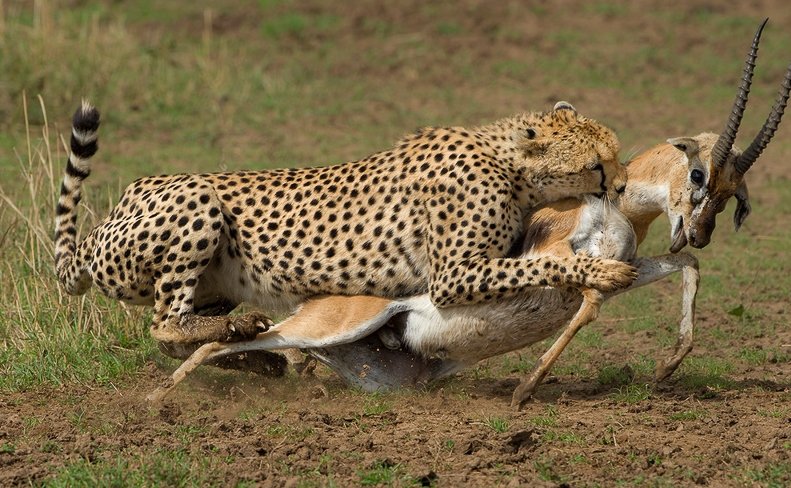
523	393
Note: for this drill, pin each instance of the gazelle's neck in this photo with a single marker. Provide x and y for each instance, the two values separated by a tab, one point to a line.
648	186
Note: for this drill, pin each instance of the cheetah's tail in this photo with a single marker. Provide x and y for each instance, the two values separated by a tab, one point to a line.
71	273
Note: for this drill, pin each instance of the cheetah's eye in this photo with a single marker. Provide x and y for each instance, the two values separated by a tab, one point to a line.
531	133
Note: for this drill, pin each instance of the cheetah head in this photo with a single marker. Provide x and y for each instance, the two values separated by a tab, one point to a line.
569	155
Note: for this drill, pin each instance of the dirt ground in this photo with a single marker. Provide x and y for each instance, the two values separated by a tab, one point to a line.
284	432
238	428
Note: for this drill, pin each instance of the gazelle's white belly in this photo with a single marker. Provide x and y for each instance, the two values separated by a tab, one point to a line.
470	333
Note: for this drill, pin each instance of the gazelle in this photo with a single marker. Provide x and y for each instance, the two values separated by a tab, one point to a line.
375	343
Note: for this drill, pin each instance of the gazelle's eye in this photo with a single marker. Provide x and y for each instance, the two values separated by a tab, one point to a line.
696	176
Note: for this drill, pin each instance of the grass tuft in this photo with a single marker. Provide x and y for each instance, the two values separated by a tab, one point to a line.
165	467
614	376
46	336
385	472
632	393
497	424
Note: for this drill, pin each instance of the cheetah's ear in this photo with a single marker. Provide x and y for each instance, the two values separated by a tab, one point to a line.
565	112
563	105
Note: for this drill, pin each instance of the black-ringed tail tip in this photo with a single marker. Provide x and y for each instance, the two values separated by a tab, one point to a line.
85	125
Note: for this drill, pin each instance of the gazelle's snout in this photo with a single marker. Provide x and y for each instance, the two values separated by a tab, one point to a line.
699	240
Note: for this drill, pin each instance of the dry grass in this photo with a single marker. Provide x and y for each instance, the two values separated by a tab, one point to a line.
46	336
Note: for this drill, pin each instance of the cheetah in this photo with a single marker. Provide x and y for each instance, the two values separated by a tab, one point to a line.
438	214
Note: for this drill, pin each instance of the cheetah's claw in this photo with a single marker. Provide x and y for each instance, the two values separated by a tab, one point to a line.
247	326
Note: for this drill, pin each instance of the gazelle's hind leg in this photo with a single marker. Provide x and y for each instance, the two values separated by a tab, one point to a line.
649	270
588	311
218	354
260	362
311	327
690	279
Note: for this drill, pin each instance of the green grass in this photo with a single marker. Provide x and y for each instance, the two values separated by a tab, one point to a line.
706	372
754	356
615	376
687	415
385	473
164	467
497	424
563	437
632	393
46	337
547	471
548	419
376	404
771	475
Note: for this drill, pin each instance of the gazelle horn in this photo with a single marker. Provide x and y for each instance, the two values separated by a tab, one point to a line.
721	149
761	140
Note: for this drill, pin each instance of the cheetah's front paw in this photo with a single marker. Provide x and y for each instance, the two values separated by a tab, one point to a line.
607	274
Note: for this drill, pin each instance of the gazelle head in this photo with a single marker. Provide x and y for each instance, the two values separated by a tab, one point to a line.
715	168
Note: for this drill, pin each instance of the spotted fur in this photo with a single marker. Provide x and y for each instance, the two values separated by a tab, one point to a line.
437	213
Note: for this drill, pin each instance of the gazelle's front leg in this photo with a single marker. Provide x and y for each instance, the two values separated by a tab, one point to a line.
650	270
656	268
587	313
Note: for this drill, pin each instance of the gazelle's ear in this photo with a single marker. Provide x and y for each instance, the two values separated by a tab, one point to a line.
742	206
687	145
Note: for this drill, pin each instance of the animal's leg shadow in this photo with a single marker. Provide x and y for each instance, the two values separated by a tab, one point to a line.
218	353
588	311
